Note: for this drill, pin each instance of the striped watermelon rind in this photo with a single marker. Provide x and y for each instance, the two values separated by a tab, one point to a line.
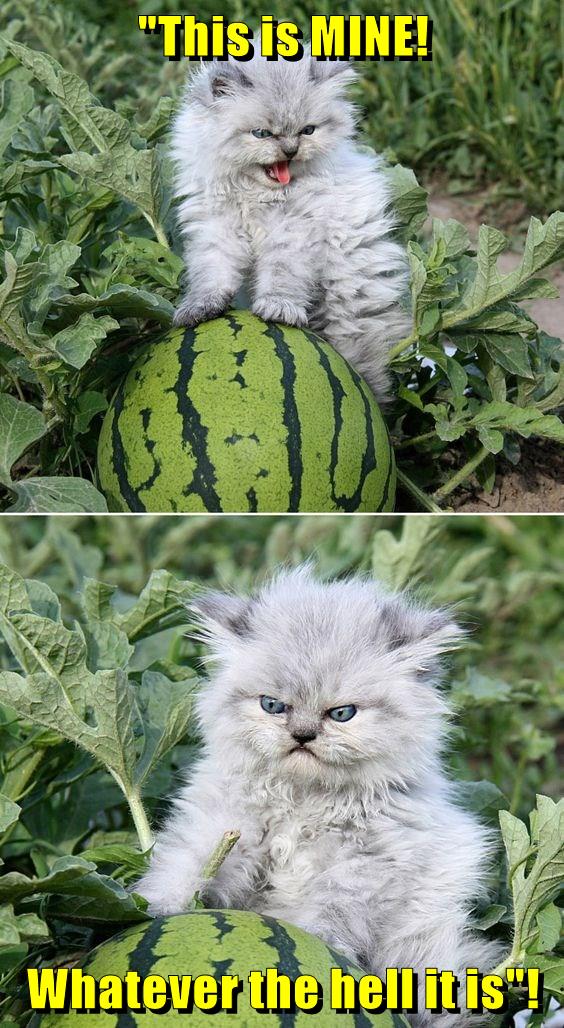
240	415
220	942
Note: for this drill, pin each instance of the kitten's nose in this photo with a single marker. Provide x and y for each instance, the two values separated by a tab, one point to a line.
303	737
290	149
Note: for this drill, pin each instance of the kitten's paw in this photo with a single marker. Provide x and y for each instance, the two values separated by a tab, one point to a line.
273	309
191	311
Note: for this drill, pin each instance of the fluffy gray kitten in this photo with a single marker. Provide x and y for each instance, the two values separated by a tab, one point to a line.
322	729
275	188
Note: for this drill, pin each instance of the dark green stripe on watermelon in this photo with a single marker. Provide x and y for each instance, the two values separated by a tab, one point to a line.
346	503
193	432
290	415
120	459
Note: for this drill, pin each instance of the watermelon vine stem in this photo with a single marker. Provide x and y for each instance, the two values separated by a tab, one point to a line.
422	499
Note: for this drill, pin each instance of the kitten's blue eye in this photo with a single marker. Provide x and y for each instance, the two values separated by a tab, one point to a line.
343	713
308	130
271	705
261	133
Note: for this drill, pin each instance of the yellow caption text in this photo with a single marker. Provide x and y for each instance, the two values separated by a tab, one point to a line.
404	37
269	991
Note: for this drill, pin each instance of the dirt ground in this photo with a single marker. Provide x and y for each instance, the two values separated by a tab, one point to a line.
536	485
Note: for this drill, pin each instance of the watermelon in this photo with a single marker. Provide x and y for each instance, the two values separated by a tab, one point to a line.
216	943
241	415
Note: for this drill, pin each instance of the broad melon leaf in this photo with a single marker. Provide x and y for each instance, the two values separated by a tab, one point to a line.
552	969
9	813
76	343
409	199
16	100
166	709
108	646
95	899
96	599
45	647
451	236
88	404
124	300
13	592
535	866
79	893
21	424
526	421
15	928
544	245
134	174
70	90
108	736
14	886
403	561
50	495
162	604
549	923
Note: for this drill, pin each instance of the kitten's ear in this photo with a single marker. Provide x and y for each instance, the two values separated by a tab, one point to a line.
341	71
226	78
417	632
226	611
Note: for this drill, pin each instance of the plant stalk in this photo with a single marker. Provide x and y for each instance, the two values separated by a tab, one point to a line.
403	344
140	821
422	499
221	851
462	474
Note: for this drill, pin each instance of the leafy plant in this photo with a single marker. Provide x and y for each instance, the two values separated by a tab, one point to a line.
97	679
89	273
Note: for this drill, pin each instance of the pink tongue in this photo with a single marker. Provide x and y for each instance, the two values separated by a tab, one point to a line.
282	171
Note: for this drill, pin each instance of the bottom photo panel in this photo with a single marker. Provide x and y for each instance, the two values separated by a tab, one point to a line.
287	770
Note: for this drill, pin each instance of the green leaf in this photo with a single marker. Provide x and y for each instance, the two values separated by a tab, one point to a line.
536	866
162	604
78	891
166	709
65	871
549	923
404	561
491	439
9	812
48	495
511	351
543	246
108	735
131	173
480	688
453	236
16	99
480	797
123	300
89	403
76	343
526	421
70	90
409	199
552	969
491	916
20	426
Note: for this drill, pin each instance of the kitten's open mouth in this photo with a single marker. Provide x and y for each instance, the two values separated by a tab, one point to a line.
280	172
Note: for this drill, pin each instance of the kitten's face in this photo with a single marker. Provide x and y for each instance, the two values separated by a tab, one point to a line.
269	123
327	684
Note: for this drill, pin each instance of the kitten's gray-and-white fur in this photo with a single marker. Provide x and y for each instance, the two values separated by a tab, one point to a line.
318	249
354	835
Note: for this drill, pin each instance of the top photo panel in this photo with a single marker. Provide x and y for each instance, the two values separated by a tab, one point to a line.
281	260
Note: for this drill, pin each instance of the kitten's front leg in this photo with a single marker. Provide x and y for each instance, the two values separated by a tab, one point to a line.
284	279
200	818
216	258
